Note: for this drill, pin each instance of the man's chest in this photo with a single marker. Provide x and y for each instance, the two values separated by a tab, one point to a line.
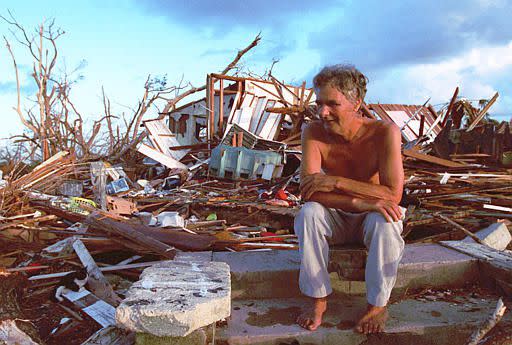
357	161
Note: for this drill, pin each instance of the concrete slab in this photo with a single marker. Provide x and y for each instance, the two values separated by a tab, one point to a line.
262	274
274	274
270	322
174	298
433	265
198	337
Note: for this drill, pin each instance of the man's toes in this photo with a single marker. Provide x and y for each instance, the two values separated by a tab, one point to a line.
312	326
373	328
368	328
365	328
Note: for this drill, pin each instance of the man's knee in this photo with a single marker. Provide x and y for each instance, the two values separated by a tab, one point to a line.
310	211
376	224
374	218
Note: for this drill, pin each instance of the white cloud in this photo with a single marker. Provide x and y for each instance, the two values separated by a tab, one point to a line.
479	73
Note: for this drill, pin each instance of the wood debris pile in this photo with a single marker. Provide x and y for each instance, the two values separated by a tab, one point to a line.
459	180
221	174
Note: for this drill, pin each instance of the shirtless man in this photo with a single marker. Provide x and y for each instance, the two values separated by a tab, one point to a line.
352	179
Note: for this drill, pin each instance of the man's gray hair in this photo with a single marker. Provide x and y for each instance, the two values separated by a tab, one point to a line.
346	78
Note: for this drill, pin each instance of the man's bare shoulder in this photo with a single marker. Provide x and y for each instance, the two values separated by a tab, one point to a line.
313	130
383	129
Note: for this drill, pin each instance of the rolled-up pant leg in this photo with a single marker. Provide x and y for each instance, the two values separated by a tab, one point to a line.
385	249
314	226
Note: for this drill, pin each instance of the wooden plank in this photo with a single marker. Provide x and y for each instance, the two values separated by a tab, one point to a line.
97	281
432	159
459	227
450	106
278	97
51	160
102	312
211	105
482	113
221	108
129	232
168	161
164	139
102	269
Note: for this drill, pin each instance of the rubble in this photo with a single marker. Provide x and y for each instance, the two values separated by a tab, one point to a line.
221	174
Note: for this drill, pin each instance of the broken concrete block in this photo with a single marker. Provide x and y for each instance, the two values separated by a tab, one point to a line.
174	298
496	236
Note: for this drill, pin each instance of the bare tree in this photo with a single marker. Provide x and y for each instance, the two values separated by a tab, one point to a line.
54	124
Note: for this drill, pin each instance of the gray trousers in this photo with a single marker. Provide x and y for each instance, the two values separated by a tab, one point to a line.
317	226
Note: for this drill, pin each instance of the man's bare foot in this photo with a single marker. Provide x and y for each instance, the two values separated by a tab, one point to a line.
312	317
373	321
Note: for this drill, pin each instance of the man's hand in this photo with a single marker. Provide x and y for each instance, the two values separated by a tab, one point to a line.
317	183
388	209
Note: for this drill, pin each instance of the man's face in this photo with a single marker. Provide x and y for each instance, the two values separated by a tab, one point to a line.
334	108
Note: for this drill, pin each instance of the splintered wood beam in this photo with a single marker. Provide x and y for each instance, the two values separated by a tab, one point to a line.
450	106
56	157
129	232
166	160
489	324
97	281
211	106
302	93
432	159
459	227
482	113
422	126
102	269
291	110
221	108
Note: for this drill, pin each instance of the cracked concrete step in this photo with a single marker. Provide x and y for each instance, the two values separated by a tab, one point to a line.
272	322
274	274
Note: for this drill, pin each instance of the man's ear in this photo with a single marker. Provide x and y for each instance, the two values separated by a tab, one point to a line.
358	105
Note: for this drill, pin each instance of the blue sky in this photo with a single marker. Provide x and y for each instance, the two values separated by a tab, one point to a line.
410	50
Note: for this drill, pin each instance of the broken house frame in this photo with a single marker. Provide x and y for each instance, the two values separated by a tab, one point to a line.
246	116
255	105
